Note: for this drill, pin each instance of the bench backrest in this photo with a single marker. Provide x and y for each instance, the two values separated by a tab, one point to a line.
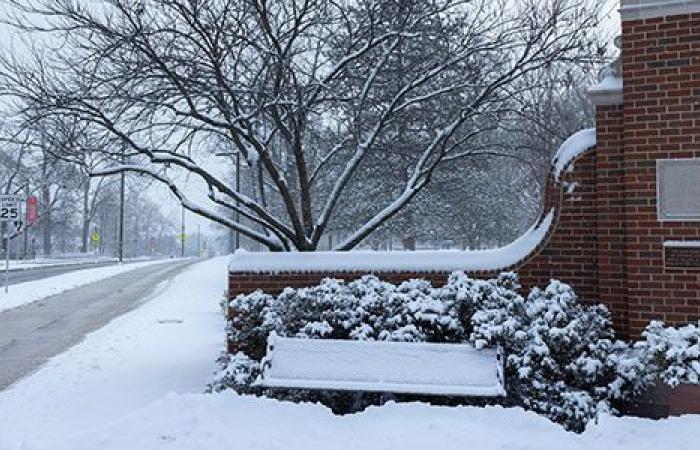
380	366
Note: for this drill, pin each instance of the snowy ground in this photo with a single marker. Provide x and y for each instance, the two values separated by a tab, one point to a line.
24	293
136	384
67	260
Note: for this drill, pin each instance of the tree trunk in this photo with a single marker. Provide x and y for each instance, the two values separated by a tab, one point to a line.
46	219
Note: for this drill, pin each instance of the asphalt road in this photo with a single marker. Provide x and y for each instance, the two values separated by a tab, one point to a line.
33	333
37	273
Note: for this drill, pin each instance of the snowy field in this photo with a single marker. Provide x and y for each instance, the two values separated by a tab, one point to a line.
65	260
23	293
137	384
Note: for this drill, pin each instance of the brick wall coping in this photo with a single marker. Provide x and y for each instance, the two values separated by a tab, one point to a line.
416	261
441	261
607	92
576	145
689	244
647	9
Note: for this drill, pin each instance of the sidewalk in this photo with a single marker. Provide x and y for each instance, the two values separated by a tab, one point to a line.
168	344
23	293
31	334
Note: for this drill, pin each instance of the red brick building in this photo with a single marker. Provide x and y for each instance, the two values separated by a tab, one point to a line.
648	167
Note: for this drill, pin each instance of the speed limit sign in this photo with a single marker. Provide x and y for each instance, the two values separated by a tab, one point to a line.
11	208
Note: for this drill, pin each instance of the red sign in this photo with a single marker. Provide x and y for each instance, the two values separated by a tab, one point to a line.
32	210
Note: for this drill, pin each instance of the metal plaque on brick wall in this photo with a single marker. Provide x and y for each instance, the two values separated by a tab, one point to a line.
678	189
682	254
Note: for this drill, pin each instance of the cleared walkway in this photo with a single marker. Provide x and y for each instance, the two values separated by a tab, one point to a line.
31	334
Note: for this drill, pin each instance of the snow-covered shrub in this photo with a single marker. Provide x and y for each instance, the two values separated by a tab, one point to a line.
632	375
558	350
237	372
494	308
562	358
251	323
321	311
416	313
664	354
672	354
365	309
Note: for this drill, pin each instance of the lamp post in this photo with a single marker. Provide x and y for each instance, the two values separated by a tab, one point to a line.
182	233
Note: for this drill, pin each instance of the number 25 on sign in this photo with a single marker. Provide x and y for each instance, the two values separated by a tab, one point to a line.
10	208
10	211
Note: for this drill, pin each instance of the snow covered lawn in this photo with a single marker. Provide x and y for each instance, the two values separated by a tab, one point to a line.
69	260
23	293
137	384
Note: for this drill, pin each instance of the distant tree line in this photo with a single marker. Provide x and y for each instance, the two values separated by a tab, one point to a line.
76	213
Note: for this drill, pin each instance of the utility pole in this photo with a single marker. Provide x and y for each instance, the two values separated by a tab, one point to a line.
121	213
25	237
238	205
182	234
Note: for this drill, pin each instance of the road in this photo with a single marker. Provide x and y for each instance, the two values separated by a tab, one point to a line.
37	273
31	334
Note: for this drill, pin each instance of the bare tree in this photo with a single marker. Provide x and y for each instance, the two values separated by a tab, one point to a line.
179	81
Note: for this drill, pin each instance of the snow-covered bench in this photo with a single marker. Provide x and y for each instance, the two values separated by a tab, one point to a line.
396	367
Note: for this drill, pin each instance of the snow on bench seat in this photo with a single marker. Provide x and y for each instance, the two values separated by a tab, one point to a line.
379	366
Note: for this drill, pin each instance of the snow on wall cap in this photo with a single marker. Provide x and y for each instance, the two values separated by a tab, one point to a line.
387	262
647	9
572	148
607	92
685	244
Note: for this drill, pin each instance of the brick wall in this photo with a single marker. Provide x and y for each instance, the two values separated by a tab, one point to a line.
661	111
610	214
569	252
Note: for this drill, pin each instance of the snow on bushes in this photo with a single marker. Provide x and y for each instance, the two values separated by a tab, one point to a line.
563	360
671	353
366	309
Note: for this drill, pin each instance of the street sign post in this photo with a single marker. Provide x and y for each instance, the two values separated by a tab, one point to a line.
95	239
10	213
